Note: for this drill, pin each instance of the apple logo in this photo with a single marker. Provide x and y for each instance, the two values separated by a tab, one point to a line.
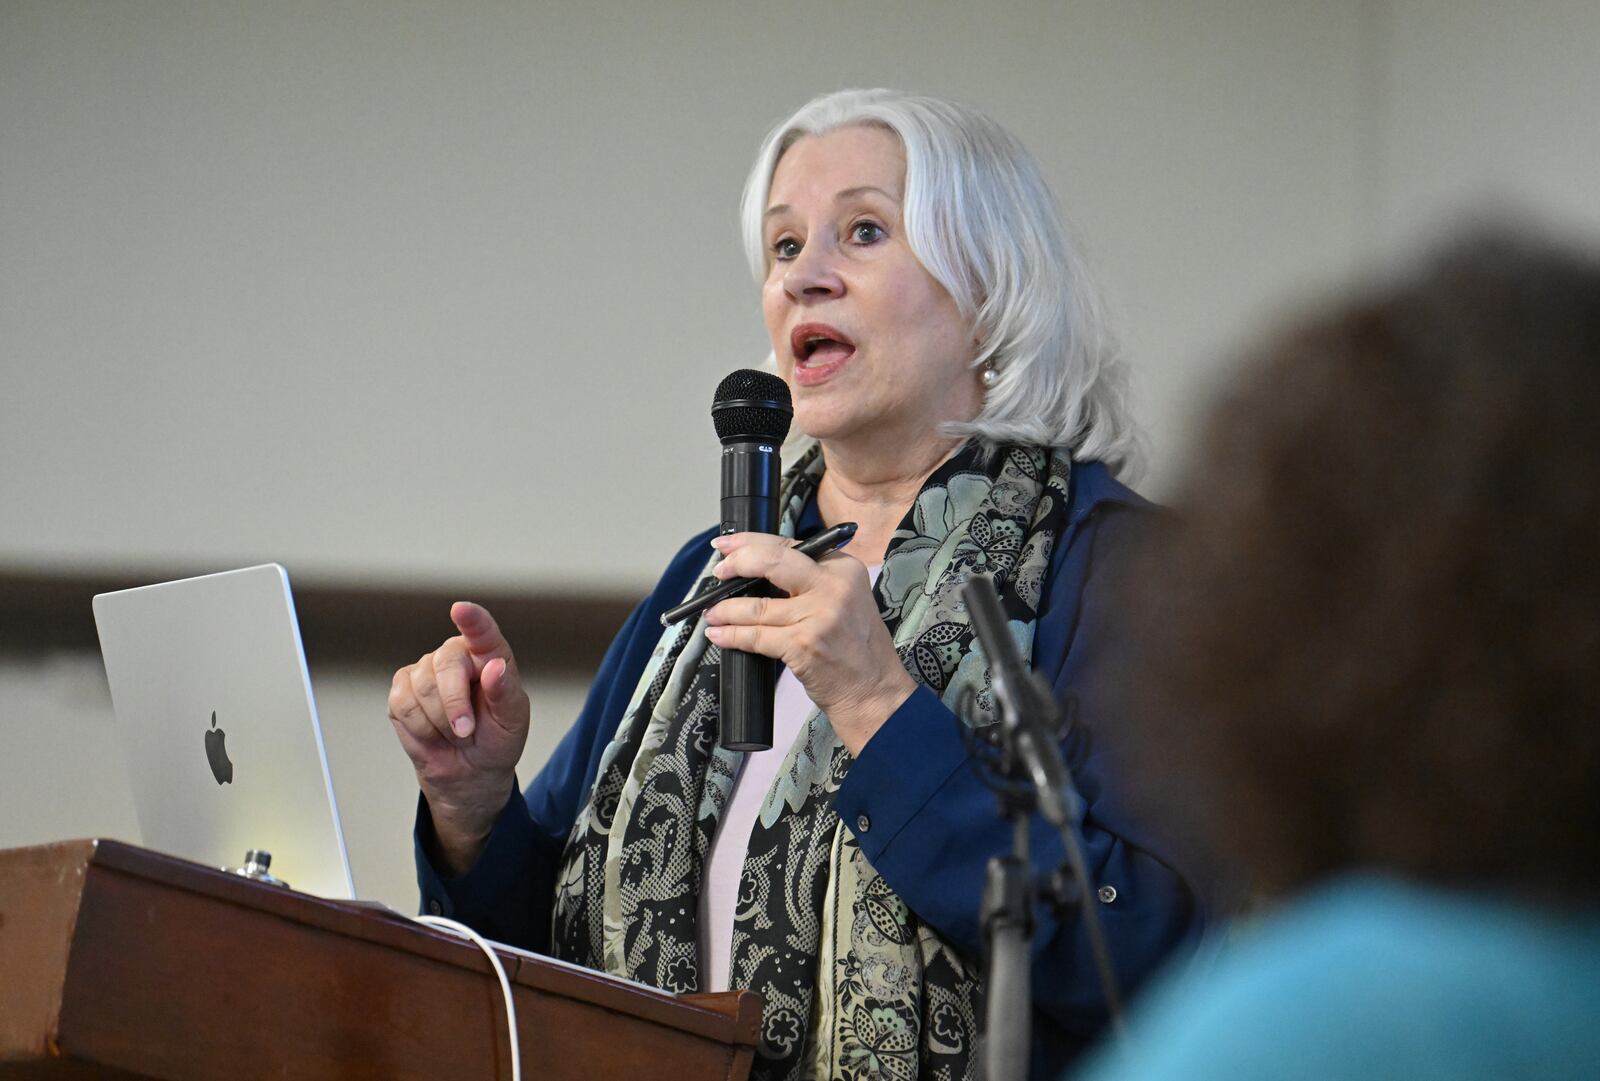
216	754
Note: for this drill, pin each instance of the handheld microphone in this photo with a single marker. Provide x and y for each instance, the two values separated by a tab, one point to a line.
751	411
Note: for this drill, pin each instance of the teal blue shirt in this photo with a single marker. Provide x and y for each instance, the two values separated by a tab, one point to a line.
1369	978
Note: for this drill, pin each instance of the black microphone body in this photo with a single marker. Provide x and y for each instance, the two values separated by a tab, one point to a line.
751	411
749	680
750	487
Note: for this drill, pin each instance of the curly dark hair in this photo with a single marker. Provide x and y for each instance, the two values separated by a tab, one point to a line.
1372	634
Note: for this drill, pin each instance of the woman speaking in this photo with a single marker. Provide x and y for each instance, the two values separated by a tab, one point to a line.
957	401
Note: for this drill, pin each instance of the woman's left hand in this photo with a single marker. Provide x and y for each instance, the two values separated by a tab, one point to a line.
827	631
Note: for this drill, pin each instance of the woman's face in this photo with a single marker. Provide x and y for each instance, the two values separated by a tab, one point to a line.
874	350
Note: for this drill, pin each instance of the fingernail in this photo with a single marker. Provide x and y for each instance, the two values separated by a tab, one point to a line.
462	726
720	542
714	634
721	570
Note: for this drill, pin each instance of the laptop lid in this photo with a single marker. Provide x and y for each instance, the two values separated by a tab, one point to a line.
218	726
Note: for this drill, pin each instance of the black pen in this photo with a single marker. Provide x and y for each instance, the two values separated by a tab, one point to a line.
830	539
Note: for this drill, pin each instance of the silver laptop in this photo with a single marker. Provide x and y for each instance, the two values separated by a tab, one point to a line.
219	728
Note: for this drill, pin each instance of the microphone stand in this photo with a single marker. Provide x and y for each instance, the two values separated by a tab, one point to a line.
1007	917
1031	777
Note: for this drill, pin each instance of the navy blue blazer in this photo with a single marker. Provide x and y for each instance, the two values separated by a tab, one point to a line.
920	812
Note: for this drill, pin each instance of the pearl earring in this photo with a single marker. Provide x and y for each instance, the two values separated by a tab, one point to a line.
990	376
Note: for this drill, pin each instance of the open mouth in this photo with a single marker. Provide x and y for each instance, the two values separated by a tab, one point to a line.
815	344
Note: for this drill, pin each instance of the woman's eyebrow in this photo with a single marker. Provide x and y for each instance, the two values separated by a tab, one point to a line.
864	189
848	193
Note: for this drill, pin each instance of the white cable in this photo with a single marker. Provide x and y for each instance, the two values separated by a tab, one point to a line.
483	944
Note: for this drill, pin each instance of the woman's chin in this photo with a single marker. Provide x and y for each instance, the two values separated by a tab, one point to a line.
824	419
838	430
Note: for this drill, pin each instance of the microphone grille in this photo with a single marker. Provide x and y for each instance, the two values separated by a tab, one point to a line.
751	404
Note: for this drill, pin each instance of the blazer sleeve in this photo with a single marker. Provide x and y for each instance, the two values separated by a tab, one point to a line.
928	824
508	894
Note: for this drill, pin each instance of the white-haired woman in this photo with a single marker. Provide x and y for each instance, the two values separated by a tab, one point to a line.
947	366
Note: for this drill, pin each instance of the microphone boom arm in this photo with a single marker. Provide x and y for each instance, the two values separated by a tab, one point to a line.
1028	720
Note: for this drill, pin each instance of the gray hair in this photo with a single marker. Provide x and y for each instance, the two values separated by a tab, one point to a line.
982	221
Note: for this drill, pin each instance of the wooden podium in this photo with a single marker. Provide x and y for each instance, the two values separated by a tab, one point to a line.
117	962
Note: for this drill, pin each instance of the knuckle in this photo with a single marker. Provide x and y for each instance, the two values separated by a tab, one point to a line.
423	681
404	713
805	639
411	706
452	698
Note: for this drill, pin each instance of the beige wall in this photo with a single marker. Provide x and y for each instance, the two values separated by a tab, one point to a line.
442	291
1486	107
344	286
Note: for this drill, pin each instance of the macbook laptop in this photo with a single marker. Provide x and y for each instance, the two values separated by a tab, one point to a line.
219	728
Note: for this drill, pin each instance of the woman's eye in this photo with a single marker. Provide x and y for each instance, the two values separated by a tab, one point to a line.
786	248
866	232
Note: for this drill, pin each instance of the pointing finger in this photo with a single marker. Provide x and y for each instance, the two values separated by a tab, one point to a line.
480	633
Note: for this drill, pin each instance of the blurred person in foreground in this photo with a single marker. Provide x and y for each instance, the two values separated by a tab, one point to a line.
1378	617
943	350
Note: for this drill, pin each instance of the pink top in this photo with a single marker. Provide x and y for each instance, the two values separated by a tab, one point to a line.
719	892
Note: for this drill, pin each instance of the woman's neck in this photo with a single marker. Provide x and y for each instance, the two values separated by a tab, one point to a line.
876	494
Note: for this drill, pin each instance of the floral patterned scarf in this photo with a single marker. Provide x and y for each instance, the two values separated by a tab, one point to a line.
855	985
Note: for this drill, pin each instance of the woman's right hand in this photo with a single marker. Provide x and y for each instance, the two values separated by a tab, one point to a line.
462	716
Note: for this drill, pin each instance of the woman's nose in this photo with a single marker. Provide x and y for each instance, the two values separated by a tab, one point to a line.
813	273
